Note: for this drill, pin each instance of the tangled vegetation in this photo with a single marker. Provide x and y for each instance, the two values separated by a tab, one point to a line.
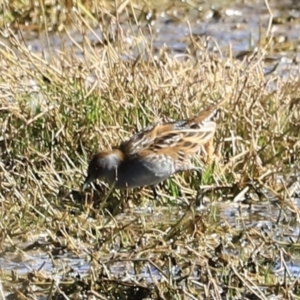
59	106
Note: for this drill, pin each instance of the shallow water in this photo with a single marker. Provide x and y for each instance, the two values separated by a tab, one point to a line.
236	26
264	216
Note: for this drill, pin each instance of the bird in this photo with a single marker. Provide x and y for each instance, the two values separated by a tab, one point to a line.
155	153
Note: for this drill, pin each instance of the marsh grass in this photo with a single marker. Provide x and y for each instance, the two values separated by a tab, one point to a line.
57	111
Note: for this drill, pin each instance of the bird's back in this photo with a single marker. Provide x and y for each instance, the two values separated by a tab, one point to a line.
182	134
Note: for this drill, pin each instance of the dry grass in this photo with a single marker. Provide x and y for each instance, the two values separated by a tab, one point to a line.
56	111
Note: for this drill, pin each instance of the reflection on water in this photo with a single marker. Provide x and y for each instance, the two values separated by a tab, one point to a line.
33	261
238	25
265	216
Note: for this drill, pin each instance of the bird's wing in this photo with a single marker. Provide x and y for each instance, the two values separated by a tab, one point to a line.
176	147
187	140
186	133
145	138
165	139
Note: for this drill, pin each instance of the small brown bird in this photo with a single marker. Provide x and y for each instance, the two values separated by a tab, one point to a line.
155	153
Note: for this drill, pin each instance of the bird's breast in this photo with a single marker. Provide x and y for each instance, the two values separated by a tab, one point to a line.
143	172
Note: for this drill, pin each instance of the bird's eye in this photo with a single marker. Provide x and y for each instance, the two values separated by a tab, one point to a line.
97	168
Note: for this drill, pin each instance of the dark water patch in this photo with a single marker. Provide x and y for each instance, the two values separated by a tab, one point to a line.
238	25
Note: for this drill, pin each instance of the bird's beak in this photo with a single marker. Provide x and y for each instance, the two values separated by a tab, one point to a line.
86	183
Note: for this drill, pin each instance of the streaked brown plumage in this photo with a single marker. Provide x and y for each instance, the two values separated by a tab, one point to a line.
155	153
